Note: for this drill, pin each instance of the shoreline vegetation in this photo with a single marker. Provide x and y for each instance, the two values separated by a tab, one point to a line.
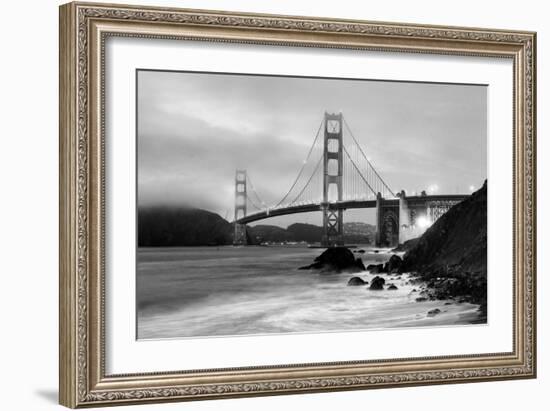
448	262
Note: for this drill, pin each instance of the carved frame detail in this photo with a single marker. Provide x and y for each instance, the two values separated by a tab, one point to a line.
83	30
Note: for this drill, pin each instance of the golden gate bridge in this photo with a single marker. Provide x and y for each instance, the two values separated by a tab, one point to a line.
335	176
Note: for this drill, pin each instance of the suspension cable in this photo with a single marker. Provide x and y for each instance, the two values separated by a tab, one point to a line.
308	181
366	159
253	203
253	189
303	165
358	171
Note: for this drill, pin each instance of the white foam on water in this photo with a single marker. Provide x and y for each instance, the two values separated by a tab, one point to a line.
204	292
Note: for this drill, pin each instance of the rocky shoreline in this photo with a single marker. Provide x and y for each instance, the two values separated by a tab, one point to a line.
447	263
391	276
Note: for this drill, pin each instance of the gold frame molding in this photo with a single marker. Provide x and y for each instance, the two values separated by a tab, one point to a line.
83	30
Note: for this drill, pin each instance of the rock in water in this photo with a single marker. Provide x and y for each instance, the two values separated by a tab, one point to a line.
393	265
377	283
392	287
434	312
356	281
336	259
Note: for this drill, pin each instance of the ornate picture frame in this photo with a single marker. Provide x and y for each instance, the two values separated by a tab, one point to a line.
84	28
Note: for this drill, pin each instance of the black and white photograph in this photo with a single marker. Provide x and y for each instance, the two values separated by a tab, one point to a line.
274	204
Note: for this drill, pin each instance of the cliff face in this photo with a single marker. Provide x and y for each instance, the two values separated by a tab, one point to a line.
456	247
456	242
172	227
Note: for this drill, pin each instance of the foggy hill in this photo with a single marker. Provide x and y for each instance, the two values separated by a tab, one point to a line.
171	227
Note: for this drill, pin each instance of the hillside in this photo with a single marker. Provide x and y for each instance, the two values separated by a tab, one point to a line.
269	233
360	233
306	232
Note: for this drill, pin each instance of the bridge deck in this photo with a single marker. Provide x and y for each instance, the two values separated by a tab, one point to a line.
343	205
306	208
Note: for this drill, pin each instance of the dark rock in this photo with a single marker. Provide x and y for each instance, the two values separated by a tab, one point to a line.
361	251
336	259
421	299
356	281
413	290
392	287
376	251
434	312
394	264
377	283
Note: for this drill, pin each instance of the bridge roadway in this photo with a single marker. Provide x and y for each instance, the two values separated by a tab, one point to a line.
344	205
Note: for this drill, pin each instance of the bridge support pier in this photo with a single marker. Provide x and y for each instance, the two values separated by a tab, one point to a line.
410	217
387	222
239	234
332	227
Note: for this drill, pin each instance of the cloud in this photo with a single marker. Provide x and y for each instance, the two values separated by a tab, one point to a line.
195	129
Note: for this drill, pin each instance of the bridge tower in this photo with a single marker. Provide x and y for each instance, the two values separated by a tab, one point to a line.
239	236
333	234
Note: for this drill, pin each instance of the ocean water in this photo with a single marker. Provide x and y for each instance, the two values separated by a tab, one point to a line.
217	291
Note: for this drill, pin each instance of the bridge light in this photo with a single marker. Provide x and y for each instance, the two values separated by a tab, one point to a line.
423	222
433	188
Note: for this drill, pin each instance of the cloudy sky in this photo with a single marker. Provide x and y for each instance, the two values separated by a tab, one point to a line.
195	129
